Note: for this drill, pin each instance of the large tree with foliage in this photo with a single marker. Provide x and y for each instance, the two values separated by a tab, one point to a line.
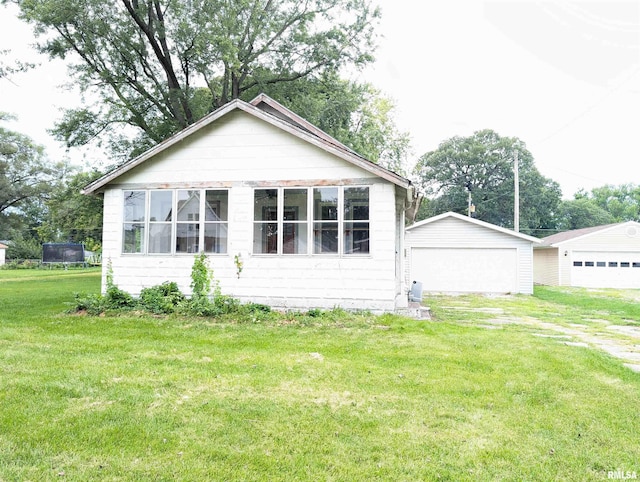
72	216
25	172
160	65
621	202
483	165
356	114
581	213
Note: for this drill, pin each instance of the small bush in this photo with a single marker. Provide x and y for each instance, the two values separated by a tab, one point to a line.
201	276
117	299
92	304
163	298
257	308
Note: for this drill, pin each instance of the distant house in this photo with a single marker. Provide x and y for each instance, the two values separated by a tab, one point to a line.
455	253
3	252
599	257
255	186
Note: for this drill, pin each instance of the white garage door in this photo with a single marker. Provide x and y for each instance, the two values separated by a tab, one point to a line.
465	269
598	269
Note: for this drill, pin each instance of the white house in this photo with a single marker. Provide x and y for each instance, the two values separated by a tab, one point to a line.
3	251
309	222
598	257
455	253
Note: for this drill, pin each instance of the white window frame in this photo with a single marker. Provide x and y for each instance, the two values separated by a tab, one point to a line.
310	221
202	222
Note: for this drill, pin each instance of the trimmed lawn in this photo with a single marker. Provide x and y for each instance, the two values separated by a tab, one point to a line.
354	398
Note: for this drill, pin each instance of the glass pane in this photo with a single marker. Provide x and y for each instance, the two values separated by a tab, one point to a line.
295	205
266	205
133	238
215	238
216	206
325	238
160	205
160	238
356	204
294	238
187	238
134	204
265	238
189	206
325	204
356	238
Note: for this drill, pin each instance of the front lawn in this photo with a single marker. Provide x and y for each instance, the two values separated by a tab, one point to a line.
342	398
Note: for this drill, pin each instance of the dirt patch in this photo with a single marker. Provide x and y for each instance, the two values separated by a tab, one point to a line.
619	341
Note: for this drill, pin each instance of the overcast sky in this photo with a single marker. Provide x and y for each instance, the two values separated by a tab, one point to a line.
562	76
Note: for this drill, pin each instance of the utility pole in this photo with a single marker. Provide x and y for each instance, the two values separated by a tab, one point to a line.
516	194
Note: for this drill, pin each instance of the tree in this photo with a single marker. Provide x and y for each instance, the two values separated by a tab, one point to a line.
160	65
7	69
621	202
72	216
481	165
581	213
358	115
25	172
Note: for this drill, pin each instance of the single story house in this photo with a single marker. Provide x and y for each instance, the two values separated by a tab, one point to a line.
288	215
598	257
3	252
455	253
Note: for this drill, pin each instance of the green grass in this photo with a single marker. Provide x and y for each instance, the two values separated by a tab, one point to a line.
359	398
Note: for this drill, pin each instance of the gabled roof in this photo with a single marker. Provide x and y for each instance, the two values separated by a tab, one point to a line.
477	222
561	238
272	112
3	246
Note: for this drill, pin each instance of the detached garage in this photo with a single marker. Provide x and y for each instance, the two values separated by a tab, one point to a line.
456	253
599	257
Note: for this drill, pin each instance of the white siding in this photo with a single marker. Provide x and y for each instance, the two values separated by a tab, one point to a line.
452	233
620	243
240	148
240	153
545	266
2	255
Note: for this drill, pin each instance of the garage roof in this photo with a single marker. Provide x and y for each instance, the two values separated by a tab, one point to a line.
476	222
565	236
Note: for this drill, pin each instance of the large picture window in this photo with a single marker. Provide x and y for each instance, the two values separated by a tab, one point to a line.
182	221
322	220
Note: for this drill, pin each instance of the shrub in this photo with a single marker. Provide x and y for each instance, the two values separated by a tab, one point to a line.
92	304
201	276
163	298
20	248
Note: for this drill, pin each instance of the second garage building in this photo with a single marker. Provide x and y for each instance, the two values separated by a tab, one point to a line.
455	253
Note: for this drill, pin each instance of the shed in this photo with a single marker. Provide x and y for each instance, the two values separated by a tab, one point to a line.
605	256
455	253
3	252
287	215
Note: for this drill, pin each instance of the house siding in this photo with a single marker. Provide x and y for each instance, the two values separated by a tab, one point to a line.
456	233
612	240
545	266
241	152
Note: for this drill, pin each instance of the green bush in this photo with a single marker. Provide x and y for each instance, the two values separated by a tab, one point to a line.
92	304
20	248
163	298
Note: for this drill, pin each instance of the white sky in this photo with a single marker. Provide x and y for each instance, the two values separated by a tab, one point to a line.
563	76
